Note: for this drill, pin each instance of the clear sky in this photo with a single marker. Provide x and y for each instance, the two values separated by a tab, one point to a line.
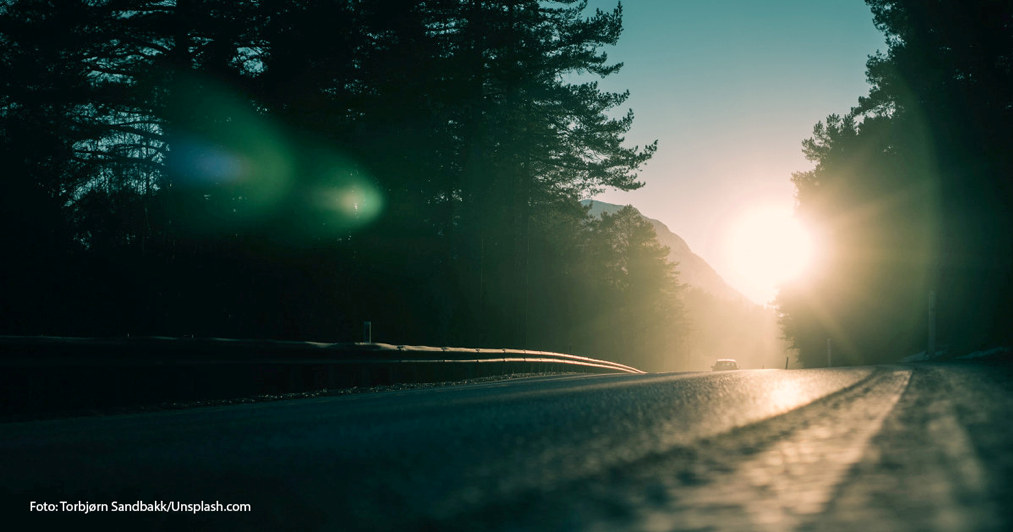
730	88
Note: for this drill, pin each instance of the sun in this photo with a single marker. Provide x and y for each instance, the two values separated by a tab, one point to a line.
765	247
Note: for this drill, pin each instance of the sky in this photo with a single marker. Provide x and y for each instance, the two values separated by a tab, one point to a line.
730	88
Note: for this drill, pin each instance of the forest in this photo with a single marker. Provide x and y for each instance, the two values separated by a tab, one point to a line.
912	190
291	169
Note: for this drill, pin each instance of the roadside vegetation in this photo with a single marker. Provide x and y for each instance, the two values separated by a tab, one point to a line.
913	191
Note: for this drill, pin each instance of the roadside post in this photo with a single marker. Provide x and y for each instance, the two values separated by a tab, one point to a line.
931	348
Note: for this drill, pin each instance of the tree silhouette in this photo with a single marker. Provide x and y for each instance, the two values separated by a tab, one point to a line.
913	187
290	169
634	306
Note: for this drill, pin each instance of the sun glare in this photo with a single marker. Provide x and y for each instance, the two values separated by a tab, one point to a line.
766	247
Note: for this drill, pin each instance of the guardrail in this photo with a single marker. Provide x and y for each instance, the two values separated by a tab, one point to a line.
44	374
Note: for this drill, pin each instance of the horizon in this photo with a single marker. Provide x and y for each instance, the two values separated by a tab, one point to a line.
423	174
782	67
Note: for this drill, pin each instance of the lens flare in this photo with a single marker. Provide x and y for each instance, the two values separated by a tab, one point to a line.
350	204
235	170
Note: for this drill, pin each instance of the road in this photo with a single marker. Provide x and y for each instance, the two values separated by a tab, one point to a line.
907	447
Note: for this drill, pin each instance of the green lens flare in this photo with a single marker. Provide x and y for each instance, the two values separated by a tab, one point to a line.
233	170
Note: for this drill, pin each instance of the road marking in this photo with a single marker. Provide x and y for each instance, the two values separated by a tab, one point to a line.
926	475
789	482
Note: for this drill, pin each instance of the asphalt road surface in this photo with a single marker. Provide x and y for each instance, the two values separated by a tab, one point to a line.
916	447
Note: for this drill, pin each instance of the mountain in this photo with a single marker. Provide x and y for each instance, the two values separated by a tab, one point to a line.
693	270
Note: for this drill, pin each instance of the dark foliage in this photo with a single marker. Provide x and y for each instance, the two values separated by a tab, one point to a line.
913	189
289	169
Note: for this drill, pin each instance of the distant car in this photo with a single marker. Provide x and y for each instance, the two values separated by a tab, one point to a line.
725	364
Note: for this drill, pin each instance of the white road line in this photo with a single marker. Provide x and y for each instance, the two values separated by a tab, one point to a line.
932	479
782	486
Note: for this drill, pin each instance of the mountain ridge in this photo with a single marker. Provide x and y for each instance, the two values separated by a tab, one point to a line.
693	269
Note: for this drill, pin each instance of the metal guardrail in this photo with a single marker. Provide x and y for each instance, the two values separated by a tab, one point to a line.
29	350
48	373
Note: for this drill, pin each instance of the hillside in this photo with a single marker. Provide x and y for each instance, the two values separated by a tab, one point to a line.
693	269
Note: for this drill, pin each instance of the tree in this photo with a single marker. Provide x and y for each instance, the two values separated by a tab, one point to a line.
531	137
635	308
912	189
948	77
301	166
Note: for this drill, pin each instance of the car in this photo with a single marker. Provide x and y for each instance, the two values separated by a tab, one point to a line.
723	364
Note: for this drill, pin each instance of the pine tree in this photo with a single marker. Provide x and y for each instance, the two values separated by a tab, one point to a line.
912	189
